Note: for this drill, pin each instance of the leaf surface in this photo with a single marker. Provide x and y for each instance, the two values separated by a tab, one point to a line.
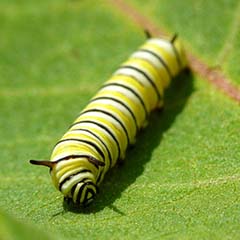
181	180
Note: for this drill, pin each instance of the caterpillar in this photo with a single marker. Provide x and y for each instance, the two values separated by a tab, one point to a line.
100	135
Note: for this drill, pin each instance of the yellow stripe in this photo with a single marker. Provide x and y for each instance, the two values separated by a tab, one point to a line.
62	168
140	89
138	112
107	140
75	148
181	53
145	65
168	58
85	136
154	75
162	71
130	126
119	135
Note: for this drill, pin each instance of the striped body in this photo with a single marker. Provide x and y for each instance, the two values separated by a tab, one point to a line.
100	135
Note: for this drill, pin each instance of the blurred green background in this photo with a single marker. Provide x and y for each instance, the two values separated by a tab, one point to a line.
180	181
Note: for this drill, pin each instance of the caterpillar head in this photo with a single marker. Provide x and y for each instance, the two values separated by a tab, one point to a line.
75	178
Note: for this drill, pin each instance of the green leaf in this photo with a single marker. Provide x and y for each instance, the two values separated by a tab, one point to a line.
180	181
211	28
12	229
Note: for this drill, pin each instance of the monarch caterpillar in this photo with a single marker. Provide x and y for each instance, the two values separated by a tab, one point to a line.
100	135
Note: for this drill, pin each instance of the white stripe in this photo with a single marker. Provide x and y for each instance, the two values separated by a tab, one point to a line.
116	125
127	93
148	57
131	72
69	173
164	44
73	180
114	104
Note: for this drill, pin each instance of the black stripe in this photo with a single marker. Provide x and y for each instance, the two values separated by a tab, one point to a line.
81	190
146	76
177	56
99	177
160	59
80	193
72	156
112	116
69	177
129	75
86	200
96	136
73	188
132	91
121	103
75	185
103	127
84	141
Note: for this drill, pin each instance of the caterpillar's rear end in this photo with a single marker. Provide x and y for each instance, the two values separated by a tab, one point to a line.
99	137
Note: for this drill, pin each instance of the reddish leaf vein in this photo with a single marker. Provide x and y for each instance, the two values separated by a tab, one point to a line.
214	76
